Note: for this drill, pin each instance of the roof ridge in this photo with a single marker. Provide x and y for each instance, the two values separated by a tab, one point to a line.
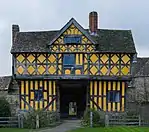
39	31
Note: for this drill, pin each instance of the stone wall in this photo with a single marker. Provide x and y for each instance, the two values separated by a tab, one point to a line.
139	94
12	96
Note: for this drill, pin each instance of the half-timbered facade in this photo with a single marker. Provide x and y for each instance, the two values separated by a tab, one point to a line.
73	67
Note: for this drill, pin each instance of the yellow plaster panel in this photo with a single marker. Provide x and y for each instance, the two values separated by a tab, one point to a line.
113	106
40	104
54	105
77	59
52	58
54	88
125	70
114	85
115	59
93	70
95	88
104	70
94	58
31	58
114	70
52	69
105	59
109	107
125	59
31	85
109	86
95	100
81	59
41	69
45	85
118	106
100	88
32	95
36	85
104	88
85	70
104	104
50	88
36	105
77	72
22	87
45	95
22	104
50	107
20	58
27	88
45	103
122	104
91	86
123	88
100	102
30	69
118	85
20	70
67	72
41	58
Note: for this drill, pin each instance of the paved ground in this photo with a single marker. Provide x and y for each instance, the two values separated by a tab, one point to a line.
65	126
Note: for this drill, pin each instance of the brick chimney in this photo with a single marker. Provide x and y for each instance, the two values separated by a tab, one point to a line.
93	22
15	30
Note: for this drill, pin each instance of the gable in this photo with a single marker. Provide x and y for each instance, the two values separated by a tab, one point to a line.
72	28
73	31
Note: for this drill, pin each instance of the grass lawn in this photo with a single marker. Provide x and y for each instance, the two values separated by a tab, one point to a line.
113	129
13	130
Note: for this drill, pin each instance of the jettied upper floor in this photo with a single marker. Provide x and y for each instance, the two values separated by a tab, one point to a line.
73	52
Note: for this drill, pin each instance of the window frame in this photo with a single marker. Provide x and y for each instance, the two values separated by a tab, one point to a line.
39	94
71	64
72	37
113	95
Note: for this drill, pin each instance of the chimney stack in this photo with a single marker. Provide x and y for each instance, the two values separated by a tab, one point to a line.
15	30
93	23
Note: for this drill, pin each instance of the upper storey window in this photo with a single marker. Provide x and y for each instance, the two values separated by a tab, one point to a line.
72	39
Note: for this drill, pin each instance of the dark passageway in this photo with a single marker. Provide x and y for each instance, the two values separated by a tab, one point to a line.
72	100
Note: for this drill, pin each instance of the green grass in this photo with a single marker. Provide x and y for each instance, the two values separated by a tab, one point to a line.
13	130
113	129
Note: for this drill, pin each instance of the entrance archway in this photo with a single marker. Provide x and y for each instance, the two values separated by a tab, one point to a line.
73	98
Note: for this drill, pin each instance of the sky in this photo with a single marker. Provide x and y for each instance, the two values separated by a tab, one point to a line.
38	15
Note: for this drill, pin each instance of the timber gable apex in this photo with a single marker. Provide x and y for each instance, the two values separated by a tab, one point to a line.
77	25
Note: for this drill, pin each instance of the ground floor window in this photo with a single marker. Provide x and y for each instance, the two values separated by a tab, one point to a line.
114	96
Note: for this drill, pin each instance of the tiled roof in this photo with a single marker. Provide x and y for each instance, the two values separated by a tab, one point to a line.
107	41
5	82
32	41
115	41
142	68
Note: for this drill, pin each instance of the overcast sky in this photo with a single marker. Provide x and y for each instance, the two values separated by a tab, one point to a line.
38	15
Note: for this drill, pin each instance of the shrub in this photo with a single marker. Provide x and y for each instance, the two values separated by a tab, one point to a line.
98	118
5	110
46	118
